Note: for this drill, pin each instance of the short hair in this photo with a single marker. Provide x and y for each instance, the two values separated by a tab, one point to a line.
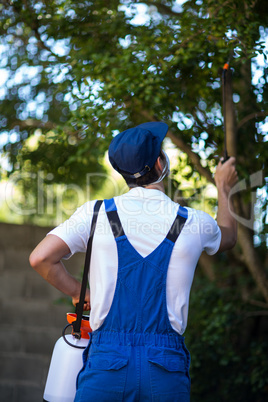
146	179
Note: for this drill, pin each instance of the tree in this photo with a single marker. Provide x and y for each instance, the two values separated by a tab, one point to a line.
91	70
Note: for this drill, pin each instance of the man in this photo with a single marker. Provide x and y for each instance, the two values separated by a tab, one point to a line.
145	251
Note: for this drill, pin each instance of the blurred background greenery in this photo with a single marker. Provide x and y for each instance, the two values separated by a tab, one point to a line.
75	73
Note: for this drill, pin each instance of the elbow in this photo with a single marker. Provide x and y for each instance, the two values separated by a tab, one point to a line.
228	240
36	260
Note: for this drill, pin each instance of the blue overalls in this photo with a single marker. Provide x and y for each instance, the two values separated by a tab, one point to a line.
136	355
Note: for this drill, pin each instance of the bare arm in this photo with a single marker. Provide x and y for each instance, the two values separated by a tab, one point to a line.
225	178
46	260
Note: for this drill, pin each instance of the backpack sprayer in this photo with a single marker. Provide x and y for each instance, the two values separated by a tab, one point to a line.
67	361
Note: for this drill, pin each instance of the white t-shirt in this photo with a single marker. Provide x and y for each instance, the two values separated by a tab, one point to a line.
146	216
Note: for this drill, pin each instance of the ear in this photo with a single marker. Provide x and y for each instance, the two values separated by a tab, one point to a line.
159	164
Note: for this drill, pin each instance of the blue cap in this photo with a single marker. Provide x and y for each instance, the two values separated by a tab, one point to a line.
134	152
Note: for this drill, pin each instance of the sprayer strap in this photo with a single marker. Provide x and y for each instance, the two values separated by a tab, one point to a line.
80	305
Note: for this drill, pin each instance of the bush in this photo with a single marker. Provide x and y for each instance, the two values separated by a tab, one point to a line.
228	346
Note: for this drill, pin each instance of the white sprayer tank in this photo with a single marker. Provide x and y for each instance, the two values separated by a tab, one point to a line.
66	362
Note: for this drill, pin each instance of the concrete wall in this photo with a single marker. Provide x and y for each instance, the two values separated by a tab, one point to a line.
31	315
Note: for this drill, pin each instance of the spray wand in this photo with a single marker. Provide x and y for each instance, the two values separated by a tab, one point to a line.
224	74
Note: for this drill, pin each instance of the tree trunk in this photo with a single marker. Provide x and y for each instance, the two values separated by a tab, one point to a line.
245	239
252	260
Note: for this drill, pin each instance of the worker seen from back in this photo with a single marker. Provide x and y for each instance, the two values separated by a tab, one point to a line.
145	251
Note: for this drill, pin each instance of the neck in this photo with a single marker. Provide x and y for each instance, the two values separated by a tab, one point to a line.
158	186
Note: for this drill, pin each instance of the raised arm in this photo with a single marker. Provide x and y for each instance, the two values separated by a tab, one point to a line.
46	260
225	178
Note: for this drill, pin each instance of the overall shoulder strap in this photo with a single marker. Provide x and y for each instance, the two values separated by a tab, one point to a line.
178	224
80	305
112	215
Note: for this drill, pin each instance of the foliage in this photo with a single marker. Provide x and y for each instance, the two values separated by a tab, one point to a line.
228	345
90	72
80	71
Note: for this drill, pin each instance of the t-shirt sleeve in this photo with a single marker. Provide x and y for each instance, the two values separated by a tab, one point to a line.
75	230
210	233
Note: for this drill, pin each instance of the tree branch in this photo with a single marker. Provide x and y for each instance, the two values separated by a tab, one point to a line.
189	39
257	303
195	158
32	123
251	116
255	314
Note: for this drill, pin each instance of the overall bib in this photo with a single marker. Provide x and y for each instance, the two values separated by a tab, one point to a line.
136	355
